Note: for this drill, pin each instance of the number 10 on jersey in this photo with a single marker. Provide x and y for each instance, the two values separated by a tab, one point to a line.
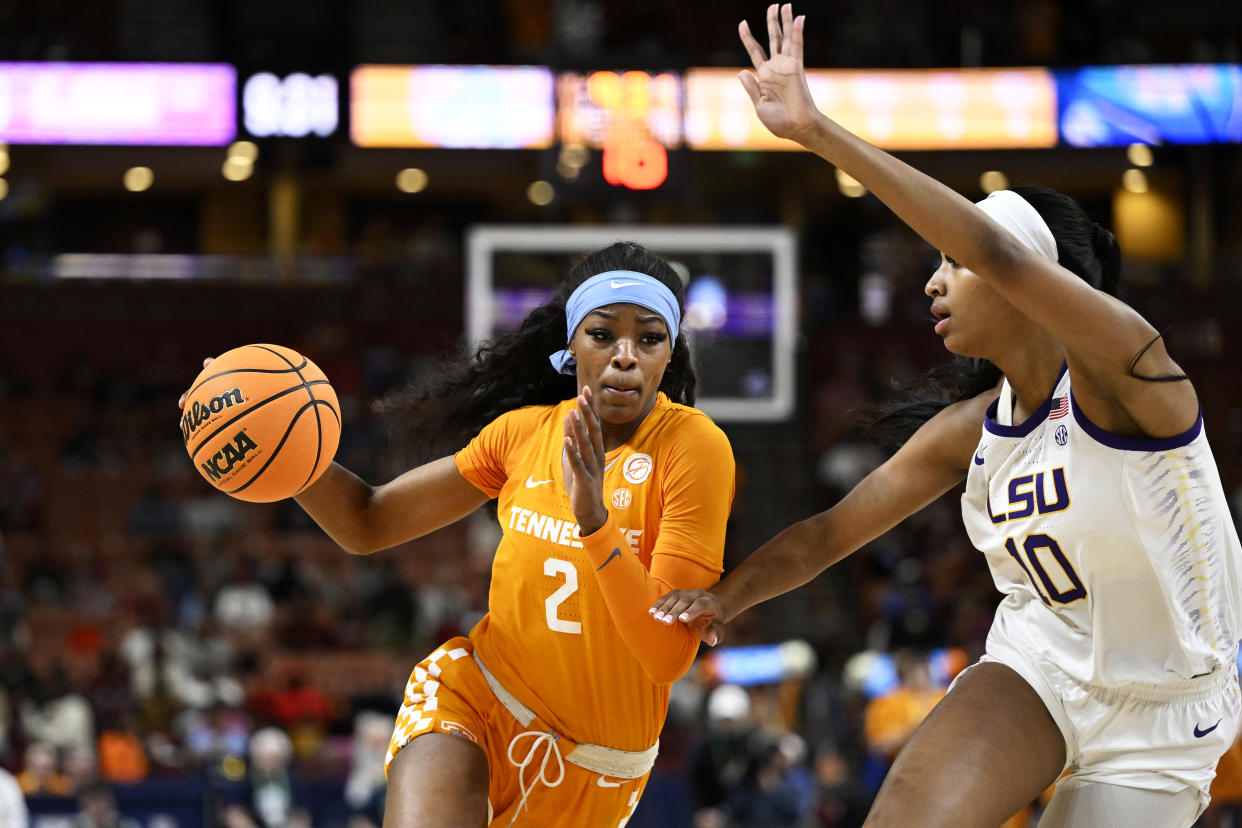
1032	545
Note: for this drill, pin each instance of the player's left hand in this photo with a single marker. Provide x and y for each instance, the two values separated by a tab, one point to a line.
181	402
777	85
584	464
700	610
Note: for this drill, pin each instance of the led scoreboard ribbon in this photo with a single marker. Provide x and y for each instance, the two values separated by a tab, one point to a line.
634	117
153	104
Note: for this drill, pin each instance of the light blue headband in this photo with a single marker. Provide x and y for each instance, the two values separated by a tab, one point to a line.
609	288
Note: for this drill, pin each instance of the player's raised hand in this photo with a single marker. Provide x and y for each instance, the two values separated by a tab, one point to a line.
584	464
777	85
698	609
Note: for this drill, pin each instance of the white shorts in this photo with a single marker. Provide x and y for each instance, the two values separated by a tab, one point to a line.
1161	737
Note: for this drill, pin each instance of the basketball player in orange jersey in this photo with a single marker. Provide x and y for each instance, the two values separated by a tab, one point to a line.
612	490
1090	488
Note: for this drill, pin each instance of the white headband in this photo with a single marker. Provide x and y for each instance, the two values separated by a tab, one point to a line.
1015	214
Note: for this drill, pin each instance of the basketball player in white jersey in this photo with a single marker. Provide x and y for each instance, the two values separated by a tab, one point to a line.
1090	488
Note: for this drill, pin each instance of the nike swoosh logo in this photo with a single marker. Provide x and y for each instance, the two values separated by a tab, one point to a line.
604	783
531	482
610	463
615	284
1199	734
978	460
616	553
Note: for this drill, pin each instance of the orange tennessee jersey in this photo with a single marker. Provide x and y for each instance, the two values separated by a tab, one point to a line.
550	636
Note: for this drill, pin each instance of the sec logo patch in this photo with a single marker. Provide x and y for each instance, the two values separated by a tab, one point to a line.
637	468
622	498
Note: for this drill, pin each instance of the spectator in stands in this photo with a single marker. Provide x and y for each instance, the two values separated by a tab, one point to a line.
80	767
719	760
364	789
839	801
111	691
304	711
777	790
122	755
297	700
210	735
155	513
97	808
55	711
270	796
244	603
24	505
39	775
892	717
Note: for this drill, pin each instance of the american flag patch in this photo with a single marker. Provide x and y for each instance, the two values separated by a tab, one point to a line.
1060	407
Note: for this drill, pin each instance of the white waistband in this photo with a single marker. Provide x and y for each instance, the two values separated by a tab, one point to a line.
623	764
1183	691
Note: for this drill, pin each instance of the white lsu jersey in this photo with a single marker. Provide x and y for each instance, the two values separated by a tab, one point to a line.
1117	556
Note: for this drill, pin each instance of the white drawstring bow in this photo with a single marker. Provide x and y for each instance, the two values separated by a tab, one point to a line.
549	740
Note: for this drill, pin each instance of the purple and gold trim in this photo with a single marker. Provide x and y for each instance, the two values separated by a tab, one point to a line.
1031	423
1135	443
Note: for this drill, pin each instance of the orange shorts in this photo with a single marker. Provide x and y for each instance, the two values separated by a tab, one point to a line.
448	693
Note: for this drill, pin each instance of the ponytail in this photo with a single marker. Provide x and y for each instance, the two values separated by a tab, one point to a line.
892	424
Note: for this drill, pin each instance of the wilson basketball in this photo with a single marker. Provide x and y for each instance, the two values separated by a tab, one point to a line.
261	423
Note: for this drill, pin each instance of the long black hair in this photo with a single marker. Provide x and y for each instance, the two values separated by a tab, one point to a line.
444	411
1083	248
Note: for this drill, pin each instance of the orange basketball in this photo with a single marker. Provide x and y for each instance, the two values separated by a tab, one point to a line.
261	423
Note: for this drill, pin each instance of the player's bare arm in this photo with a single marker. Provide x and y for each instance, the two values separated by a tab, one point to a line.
363	519
931	463
1101	335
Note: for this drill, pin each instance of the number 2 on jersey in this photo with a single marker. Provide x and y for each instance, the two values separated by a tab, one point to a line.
1031	545
553	567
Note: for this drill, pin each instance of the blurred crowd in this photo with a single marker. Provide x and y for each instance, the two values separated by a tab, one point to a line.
156	635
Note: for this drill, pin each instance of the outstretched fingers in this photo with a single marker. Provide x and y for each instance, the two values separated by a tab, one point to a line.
791	33
757	56
785	35
774	30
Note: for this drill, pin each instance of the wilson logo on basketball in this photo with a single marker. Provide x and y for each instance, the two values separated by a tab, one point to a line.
200	413
223	461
